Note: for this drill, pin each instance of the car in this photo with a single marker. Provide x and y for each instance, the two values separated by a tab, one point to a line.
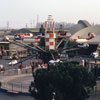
95	54
13	62
54	61
17	37
85	45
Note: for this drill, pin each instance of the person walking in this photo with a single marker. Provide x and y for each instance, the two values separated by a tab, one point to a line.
0	55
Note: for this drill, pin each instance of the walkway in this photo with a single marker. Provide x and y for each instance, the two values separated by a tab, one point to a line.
16	79
7	96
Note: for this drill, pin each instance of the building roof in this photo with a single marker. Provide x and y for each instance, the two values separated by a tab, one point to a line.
84	22
80	25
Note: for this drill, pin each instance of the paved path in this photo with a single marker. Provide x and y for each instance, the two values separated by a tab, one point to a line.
14	77
96	97
19	83
4	95
7	96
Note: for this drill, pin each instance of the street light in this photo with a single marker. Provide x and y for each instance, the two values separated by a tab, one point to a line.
53	97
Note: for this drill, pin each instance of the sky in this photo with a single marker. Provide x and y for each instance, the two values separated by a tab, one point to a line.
18	13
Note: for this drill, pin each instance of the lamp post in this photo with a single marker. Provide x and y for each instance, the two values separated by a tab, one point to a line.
96	68
53	97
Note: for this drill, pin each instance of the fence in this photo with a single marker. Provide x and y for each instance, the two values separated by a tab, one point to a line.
19	87
16	71
7	77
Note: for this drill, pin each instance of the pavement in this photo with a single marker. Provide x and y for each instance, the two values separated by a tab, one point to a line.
18	83
95	97
7	96
16	79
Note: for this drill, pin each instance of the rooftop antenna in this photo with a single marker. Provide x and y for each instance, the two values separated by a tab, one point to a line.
26	25
7	25
37	21
31	24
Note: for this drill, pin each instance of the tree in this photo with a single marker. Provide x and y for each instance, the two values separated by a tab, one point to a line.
42	30
69	81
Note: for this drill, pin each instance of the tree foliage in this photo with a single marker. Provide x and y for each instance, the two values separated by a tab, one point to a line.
69	81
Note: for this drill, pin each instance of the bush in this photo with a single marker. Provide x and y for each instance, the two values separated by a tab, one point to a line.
67	80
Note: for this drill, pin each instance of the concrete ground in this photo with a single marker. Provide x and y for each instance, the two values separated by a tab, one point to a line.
96	97
19	83
5	95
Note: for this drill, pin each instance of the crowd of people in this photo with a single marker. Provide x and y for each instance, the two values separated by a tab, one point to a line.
37	65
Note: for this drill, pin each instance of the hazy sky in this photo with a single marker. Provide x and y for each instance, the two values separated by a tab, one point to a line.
20	12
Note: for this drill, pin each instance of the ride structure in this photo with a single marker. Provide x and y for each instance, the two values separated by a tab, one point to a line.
80	40
50	34
50	50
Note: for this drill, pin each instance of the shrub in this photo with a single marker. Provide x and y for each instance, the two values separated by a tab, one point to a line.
67	80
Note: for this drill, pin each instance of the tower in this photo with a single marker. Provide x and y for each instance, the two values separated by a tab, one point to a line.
50	34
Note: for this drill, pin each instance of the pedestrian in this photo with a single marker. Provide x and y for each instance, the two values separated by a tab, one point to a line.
1	67
82	62
85	62
42	65
39	66
48	67
45	65
19	71
0	84
0	54
21	66
36	55
33	66
26	69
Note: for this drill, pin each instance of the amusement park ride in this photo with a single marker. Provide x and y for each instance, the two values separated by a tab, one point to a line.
83	42
51	51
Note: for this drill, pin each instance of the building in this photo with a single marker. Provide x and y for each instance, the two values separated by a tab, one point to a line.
81	24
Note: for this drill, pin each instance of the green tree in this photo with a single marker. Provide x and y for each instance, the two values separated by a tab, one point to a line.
69	81
42	30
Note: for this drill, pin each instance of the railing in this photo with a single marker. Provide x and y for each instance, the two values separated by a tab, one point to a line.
19	87
7	76
16	71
